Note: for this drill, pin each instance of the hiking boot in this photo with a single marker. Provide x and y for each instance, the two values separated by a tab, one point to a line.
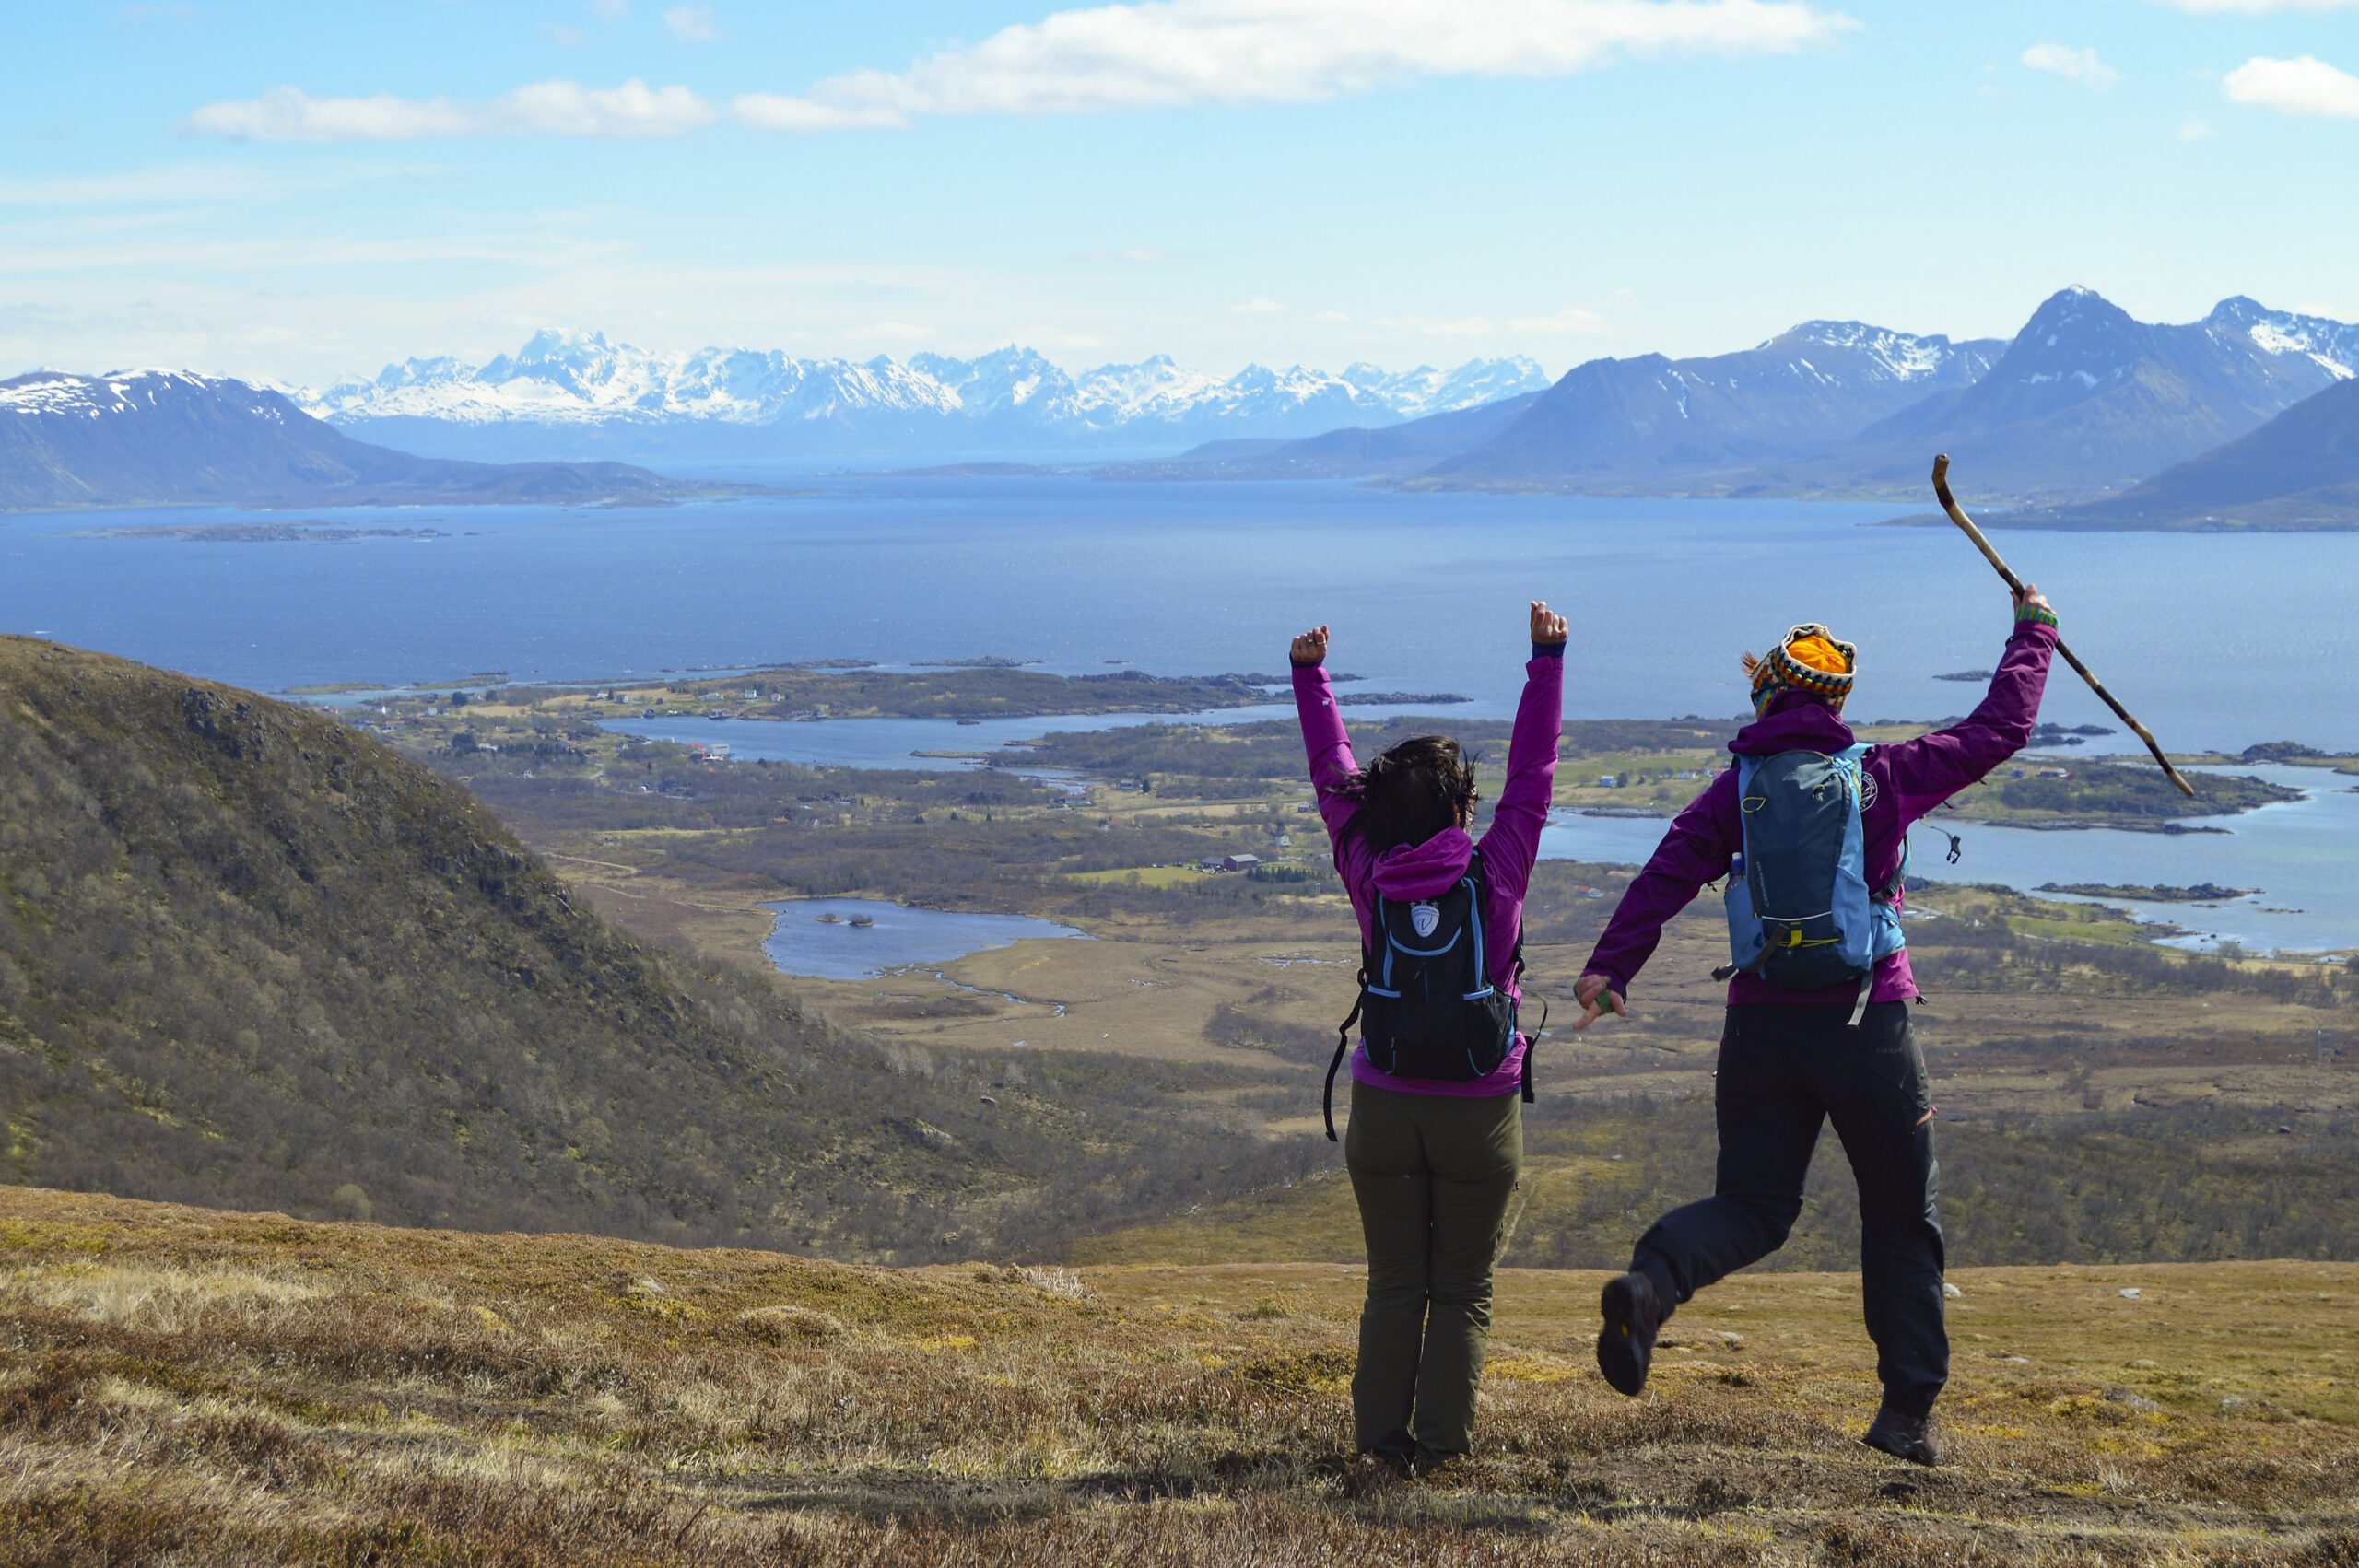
1626	1346
1426	1462
1904	1435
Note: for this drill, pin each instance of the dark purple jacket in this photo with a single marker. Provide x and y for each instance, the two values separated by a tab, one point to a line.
1420	870
1903	783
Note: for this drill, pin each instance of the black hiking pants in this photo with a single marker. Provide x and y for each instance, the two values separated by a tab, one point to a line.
1783	1072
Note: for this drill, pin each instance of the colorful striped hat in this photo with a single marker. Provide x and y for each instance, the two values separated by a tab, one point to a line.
1807	659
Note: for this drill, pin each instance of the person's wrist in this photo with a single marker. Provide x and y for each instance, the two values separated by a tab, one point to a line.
1547	649
2028	614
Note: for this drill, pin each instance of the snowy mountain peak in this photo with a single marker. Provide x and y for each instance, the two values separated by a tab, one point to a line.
2332	345
555	343
2076	308
59	392
581	380
1902	357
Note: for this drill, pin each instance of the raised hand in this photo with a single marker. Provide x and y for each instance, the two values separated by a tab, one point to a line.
1597	997
2032	596
1547	626
1309	647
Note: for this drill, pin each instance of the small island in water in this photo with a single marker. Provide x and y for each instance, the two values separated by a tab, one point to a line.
2159	893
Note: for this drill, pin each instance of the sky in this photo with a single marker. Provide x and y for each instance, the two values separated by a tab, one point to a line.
297	193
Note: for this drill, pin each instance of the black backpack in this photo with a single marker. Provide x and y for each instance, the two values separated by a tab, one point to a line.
1426	1007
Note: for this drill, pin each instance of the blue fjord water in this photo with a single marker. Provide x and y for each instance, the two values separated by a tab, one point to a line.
2218	640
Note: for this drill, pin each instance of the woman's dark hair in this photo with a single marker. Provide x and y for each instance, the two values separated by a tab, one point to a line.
1416	790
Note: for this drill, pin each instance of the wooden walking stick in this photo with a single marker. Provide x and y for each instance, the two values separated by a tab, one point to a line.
1958	515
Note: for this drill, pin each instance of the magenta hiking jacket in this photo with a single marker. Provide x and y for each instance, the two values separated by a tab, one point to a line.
1422	871
1903	783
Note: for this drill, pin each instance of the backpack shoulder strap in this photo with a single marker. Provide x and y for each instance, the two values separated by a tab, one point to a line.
1343	1046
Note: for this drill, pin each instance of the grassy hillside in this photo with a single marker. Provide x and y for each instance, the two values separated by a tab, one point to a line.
199	1388
253	958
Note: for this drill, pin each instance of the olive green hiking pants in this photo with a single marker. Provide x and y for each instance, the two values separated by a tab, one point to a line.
1433	1174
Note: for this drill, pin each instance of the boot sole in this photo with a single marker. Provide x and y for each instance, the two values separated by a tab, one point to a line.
1623	1349
1899	1448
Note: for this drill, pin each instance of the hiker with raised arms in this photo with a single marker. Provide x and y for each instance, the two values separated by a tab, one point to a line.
1810	830
1434	1144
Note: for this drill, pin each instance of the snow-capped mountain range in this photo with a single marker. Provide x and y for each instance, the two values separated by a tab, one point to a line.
572	386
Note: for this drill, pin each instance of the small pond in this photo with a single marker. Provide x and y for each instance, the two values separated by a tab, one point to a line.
805	940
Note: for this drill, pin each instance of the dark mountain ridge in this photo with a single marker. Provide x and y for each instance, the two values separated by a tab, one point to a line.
160	437
1652	421
1353	452
2087	399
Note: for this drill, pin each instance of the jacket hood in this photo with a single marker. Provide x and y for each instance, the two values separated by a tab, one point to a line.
1422	870
1796	722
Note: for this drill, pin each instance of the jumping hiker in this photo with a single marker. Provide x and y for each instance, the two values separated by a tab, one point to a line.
1812	831
1436	1138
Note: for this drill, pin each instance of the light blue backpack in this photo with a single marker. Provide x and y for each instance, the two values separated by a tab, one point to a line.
1801	913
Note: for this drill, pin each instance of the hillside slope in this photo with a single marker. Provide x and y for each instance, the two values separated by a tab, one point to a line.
253	958
163	438
203	1388
2298	472
1353	452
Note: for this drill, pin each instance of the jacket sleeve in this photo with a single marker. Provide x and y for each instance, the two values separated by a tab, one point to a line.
1930	768
1702	842
1512	841
1330	753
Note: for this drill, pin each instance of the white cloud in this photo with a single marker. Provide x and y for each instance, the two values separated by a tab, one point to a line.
610	10
1261	305
2194	128
693	23
774	111
2078	64
1150	53
2307	86
290	114
634	109
567	38
551	107
1162	53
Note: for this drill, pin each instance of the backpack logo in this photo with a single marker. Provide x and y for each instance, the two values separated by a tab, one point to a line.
1425	919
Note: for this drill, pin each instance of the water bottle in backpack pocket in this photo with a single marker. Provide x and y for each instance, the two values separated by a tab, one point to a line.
1801	913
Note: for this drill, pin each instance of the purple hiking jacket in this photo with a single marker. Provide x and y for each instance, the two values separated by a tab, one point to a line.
1903	783
1421	871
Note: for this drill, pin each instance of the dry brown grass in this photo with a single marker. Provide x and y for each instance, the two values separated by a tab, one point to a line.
192	1386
